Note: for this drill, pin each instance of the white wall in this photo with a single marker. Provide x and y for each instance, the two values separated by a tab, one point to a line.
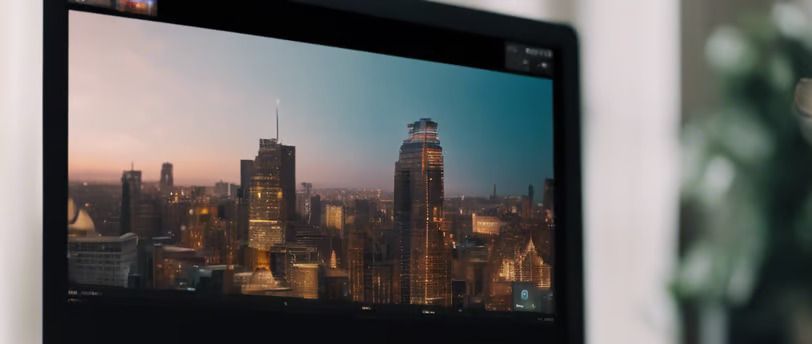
21	171
630	54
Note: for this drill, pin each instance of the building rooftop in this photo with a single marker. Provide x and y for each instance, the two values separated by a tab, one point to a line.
99	238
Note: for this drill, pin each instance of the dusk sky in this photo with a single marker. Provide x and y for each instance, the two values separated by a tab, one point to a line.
151	92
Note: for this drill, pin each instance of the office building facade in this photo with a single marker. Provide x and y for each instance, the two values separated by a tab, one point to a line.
102	260
266	205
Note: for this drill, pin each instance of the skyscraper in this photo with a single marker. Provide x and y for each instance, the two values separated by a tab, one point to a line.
266	204
221	189
246	172
130	197
356	264
167	179
315	210
423	267
288	180
303	202
526	206
334	217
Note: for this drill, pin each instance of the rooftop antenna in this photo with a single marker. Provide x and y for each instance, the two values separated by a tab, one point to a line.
277	119
132	165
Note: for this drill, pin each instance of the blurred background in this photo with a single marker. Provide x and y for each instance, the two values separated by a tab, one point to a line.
697	161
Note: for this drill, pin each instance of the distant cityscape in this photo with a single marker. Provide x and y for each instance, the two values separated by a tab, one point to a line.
268	234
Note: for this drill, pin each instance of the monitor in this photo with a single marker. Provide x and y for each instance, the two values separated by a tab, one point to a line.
312	171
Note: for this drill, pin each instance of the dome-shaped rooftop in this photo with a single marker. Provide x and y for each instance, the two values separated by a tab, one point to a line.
79	221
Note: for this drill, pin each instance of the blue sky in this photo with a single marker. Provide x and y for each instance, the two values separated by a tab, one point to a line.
151	92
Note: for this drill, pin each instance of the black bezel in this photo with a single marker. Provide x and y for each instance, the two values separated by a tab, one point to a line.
412	29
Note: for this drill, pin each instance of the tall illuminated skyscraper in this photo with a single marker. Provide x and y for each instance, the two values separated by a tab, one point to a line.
423	268
266	206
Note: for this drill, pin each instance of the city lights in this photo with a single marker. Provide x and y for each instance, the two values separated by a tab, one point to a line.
410	246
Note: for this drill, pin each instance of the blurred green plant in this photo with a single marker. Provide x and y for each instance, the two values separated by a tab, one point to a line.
745	271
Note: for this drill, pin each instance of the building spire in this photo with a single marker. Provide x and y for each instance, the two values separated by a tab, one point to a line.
132	165
277	119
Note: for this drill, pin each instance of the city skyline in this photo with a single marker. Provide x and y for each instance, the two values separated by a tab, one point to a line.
418	248
205	114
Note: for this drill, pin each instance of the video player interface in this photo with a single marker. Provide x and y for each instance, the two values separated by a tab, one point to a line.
216	163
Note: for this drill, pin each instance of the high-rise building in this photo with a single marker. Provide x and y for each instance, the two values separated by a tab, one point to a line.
315	210
356	264
363	214
167	179
308	187
424	258
288	180
334	217
244	195
246	172
380	284
303	202
227	222
174	217
221	189
130	198
266	211
198	220
528	208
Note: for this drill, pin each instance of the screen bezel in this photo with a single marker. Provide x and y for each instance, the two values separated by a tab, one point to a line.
436	32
